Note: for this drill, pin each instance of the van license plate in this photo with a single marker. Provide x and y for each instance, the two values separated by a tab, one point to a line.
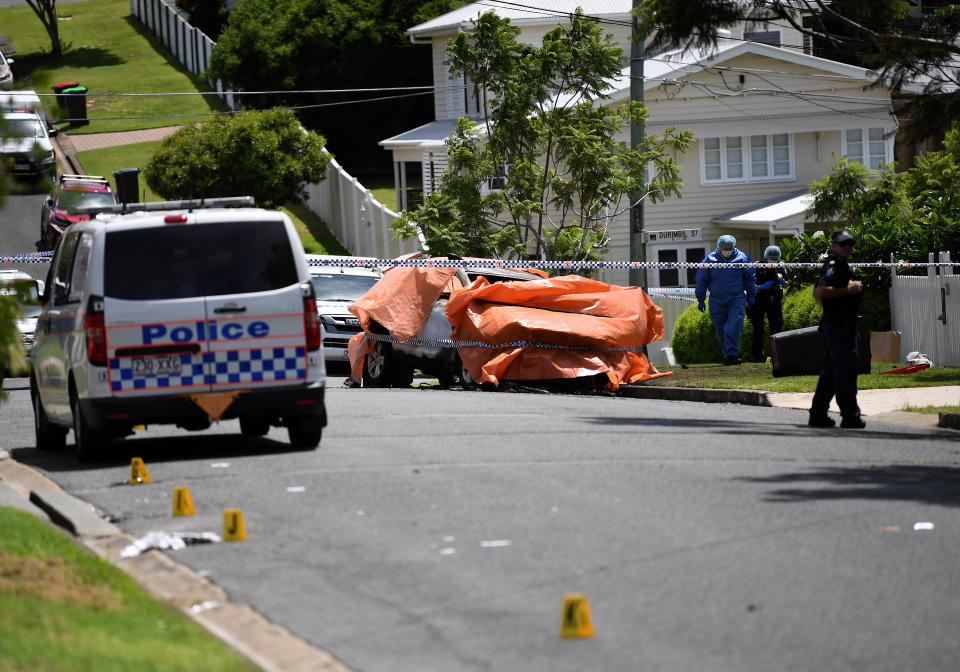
160	365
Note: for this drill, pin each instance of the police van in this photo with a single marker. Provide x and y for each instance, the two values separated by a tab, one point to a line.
182	313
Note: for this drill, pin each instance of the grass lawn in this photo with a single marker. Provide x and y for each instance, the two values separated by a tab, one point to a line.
753	376
932	410
63	608
108	51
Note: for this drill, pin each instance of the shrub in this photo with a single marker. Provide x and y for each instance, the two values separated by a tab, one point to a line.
800	309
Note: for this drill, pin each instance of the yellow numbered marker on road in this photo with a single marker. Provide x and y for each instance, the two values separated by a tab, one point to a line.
576	622
234	528
182	504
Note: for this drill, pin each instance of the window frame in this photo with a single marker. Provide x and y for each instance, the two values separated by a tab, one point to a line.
746	162
865	142
683	274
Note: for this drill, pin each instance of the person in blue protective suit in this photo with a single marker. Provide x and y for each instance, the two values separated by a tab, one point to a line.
732	291
769	304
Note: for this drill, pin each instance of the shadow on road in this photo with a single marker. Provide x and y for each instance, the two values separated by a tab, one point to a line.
155	450
907	483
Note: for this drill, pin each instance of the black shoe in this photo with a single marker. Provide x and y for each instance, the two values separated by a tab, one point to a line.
821	421
731	360
853	423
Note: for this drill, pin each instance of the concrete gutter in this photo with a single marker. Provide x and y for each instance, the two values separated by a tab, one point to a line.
710	396
270	646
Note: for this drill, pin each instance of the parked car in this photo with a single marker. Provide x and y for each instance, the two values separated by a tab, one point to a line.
26	144
27	291
180	313
59	208
336	287
6	72
393	364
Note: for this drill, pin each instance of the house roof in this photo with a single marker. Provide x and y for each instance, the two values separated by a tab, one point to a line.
783	214
526	13
427	136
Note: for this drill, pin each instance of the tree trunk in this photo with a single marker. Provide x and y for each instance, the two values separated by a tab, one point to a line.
46	11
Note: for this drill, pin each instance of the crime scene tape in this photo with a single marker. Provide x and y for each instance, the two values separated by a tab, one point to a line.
450	343
26	258
369	262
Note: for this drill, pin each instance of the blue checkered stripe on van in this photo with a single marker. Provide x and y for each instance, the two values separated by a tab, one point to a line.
232	366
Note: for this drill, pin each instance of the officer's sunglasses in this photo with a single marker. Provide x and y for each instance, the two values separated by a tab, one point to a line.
846	243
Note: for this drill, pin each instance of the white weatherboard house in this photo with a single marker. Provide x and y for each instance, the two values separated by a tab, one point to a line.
767	118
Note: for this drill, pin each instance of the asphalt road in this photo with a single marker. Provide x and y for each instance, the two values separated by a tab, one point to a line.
440	530
20	226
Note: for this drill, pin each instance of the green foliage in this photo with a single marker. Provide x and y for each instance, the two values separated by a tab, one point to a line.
543	174
267	155
210	16
12	353
694	339
800	309
306	45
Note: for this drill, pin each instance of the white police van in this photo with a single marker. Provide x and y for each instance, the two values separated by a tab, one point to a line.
184	313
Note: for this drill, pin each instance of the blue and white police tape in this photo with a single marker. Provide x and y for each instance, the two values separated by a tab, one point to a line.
26	258
450	343
369	262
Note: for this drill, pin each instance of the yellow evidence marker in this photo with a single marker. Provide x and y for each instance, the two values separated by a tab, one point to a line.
576	622
138	472
182	504
234	528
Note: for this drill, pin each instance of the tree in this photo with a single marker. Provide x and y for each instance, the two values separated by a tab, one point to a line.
901	43
210	16
267	155
290	45
908	215
544	174
46	11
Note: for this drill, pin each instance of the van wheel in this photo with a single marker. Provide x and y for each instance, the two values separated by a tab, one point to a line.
304	433
49	436
90	445
253	426
377	366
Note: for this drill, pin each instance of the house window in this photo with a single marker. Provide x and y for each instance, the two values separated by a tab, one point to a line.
754	158
867	146
679	277
771	37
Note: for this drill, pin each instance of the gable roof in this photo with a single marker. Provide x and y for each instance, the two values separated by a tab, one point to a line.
521	13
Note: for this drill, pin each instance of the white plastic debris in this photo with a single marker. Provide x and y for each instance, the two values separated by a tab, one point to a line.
922	526
296	488
219	465
495	543
206	605
914	358
173	541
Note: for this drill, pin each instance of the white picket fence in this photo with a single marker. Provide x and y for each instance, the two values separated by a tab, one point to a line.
926	312
348	209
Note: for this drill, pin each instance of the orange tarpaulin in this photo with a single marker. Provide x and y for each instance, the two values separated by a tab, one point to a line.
564	312
522	316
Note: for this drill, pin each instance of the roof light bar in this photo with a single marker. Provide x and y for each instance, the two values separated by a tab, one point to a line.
159	206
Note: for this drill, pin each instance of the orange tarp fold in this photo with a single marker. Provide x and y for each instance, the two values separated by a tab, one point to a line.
401	299
565	312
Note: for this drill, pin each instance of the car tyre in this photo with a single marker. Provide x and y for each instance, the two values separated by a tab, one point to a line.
253	426
377	366
304	433
49	436
90	445
466	380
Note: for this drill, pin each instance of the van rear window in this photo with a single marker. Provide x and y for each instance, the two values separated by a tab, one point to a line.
182	261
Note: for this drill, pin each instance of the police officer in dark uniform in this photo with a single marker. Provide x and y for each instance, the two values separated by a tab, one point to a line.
769	304
840	295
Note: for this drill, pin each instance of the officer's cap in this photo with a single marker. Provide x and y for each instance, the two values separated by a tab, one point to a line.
842	236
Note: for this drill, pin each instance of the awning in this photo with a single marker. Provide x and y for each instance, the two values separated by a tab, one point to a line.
428	136
784	214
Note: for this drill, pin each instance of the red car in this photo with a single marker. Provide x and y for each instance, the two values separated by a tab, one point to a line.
70	193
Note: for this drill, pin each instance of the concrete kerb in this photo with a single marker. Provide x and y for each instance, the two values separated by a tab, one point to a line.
270	646
712	396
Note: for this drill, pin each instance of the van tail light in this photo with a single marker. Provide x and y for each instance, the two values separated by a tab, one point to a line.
96	332
311	319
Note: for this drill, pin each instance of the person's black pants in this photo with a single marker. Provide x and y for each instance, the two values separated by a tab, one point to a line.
773	312
838	376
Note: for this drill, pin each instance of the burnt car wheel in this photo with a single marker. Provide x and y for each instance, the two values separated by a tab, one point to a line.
377	366
466	380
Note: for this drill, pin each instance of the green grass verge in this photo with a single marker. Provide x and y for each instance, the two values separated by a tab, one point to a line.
752	376
63	608
107	50
932	410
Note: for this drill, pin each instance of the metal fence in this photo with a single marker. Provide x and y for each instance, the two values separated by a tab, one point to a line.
926	312
189	45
